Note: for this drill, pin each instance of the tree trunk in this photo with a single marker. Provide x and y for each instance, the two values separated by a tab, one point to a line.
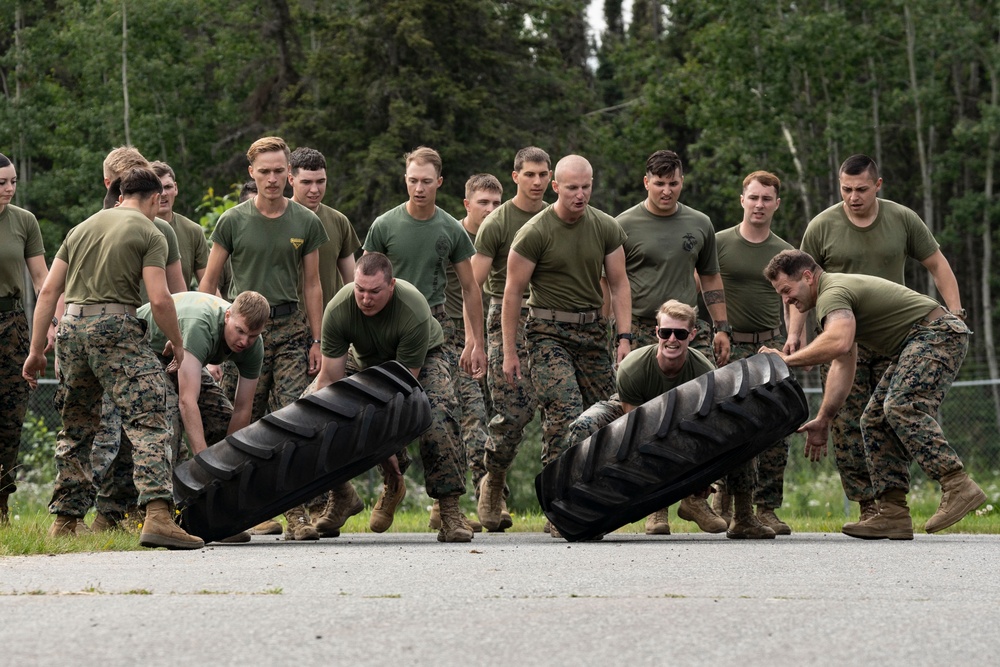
987	241
128	132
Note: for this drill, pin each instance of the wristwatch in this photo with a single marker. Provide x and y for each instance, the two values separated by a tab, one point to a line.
625	336
55	322
961	314
314	341
724	328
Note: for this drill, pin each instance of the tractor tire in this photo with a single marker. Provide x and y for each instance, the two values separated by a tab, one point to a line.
670	447
294	454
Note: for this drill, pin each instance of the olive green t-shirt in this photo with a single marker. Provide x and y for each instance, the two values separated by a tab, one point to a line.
404	330
568	258
106	253
343	242
884	311
173	252
192	246
640	378
202	320
267	252
20	239
752	305
493	240
662	253
420	250
880	249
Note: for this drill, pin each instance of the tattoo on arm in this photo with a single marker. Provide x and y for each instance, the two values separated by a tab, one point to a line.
714	296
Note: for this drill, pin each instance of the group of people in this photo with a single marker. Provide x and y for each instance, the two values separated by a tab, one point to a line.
586	317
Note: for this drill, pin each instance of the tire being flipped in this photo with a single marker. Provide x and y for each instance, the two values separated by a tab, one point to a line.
671	447
292	455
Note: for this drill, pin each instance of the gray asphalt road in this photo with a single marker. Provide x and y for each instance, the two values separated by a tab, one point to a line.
522	599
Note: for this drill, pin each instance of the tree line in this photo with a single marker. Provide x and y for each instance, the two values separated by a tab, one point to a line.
731	85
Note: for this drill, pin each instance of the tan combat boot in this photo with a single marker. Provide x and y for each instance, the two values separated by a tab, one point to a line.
453	525
4	510
388	501
697	509
506	520
299	527
869	509
342	503
745	524
892	521
159	529
63	526
269	527
960	495
767	517
658	523
435	520
490	503
722	504
103	523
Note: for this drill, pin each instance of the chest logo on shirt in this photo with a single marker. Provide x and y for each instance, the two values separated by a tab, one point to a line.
689	242
297	243
443	247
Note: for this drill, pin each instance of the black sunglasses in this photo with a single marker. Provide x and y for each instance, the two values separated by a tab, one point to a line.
679	334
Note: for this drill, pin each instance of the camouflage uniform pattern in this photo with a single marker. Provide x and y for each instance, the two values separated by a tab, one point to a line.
472	407
441	445
593	419
570	371
514	405
111	458
216	412
284	372
848	444
900	423
100	354
769	489
13	394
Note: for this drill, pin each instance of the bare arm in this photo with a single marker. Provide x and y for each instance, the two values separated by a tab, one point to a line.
175	278
621	298
944	280
836	340
313	293
519	271
473	359
38	271
345	265
838	385
242	404
45	308
715	301
217	257
331	370
188	390
481	268
162	306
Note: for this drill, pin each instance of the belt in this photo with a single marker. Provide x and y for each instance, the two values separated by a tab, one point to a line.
934	314
755	337
498	301
95	309
9	303
587	317
438	310
284	309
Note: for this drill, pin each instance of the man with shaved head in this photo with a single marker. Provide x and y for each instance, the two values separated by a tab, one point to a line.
560	253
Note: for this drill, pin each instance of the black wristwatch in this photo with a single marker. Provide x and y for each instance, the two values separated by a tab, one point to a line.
55	322
724	328
961	314
625	336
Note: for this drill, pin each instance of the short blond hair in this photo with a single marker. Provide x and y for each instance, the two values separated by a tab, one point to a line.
253	308
267	145
424	155
484	182
679	311
121	159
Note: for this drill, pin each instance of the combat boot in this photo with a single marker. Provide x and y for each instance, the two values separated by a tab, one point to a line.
697	510
506	521
159	529
299	527
745	524
453	525
4	510
892	521
959	496
435	520
869	509
385	509
722	504
342	503
767	517
103	523
658	523
269	527
491	500
63	526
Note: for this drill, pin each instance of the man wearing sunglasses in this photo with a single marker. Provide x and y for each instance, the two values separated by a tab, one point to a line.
655	369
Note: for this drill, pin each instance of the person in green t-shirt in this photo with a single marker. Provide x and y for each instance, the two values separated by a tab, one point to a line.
190	236
926	345
514	404
873	236
102	349
20	247
383	318
755	313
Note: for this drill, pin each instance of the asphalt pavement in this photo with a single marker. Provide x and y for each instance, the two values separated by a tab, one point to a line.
517	599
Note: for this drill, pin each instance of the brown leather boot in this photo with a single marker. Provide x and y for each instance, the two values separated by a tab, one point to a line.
658	523
490	503
453	525
960	495
506	520
342	503
722	504
4	510
159	529
697	509
393	492
767	517
103	523
63	526
299	527
745	524
892	521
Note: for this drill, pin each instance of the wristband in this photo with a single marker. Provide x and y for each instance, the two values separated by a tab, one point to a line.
315	341
624	336
55	322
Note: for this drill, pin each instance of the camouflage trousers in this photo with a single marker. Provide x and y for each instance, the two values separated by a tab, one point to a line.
108	353
215	409
441	448
900	423
848	443
112	463
14	393
514	405
771	463
284	373
472	407
570	370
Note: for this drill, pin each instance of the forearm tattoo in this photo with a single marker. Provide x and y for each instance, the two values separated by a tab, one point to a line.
714	296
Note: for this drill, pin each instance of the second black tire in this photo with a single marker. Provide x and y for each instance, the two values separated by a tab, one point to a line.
671	447
292	455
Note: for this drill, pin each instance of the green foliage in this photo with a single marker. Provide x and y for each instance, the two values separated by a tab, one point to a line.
37	454
212	207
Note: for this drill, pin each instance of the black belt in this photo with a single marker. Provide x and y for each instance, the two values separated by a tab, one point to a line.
9	303
755	337
283	309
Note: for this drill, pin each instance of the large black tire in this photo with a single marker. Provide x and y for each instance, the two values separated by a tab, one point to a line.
290	456
671	447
